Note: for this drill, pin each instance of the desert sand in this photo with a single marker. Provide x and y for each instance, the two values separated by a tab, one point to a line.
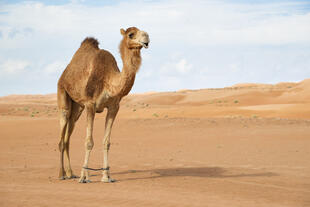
246	145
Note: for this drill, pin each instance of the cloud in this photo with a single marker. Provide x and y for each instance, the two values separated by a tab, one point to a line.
206	22
55	68
179	67
13	67
183	66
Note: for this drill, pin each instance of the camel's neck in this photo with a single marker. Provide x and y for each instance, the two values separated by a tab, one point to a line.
131	62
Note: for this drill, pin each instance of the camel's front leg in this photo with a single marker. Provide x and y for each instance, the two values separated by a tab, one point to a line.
106	143
89	143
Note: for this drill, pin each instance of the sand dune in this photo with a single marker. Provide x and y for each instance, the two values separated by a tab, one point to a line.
286	100
244	145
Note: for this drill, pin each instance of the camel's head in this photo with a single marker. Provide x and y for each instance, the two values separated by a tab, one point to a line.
135	38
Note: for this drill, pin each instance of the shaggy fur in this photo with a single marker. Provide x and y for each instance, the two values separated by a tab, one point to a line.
90	41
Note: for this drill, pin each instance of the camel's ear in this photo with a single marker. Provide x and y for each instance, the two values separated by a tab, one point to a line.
123	32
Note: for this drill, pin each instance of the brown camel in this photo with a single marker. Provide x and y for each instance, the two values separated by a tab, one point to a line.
93	81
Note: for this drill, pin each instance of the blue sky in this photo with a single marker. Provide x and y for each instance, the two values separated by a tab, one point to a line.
194	44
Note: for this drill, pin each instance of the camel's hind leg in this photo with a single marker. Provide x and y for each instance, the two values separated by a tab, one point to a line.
64	106
76	111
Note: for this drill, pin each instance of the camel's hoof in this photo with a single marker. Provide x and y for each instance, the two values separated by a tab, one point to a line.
84	181
61	178
108	180
71	177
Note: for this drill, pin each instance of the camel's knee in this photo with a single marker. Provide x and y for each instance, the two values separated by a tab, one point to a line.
65	114
64	119
89	144
106	146
61	146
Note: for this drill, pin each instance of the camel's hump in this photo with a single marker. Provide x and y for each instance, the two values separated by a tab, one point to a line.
90	41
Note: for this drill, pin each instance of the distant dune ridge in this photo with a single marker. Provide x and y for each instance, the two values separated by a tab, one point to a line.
287	100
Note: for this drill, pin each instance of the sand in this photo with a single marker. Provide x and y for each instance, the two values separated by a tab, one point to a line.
246	145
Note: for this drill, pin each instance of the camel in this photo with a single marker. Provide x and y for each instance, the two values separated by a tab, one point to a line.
92	80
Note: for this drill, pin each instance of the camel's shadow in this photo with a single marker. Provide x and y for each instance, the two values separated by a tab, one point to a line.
207	172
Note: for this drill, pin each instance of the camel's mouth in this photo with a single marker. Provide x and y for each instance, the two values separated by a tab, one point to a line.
145	44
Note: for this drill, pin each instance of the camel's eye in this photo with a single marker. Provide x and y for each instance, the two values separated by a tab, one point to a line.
131	35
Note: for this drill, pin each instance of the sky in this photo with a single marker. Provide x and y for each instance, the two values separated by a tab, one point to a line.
194	44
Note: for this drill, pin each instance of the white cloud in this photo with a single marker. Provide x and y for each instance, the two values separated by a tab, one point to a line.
183	66
55	68
176	67
13	67
199	22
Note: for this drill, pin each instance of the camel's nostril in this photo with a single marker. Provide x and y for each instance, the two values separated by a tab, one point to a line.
146	44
